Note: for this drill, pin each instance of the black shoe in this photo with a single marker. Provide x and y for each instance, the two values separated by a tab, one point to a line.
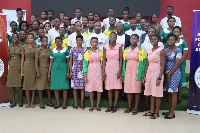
56	107
42	107
167	117
13	105
50	105
21	105
64	107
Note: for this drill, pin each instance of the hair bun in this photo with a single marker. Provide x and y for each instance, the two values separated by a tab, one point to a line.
18	9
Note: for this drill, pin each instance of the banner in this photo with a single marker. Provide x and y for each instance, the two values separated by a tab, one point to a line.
194	83
4	91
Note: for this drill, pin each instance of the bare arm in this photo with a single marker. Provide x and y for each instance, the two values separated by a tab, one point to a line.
50	66
185	53
70	65
120	63
36	67
22	65
162	68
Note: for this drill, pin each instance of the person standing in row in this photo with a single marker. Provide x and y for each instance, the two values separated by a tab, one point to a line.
154	24
13	79
36	25
78	13
13	26
76	68
180	43
92	70
23	25
138	17
134	61
106	21
97	19
19	17
90	30
42	59
84	24
172	74
22	37
112	65
28	69
59	72
112	22
125	20
154	77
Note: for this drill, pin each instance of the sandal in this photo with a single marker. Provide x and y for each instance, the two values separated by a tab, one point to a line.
135	111
109	109
153	116
56	106
168	117
114	109
33	106
21	105
128	110
27	106
13	105
98	109
148	114
82	107
50	105
42	107
165	113
91	109
75	107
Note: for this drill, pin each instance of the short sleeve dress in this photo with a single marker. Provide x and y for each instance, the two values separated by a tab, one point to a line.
43	56
59	79
112	68
14	72
171	57
29	67
131	85
184	47
152	74
78	77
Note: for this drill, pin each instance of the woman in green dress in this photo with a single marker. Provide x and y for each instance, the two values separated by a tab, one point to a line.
28	69
184	48
125	20
13	78
13	26
165	32
58	72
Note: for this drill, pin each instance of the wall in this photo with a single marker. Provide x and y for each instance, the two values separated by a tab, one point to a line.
183	9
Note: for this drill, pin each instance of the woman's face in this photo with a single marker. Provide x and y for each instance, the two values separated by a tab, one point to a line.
112	38
58	43
15	38
24	27
177	32
171	22
30	39
154	41
79	41
20	14
112	21
47	27
94	43
171	41
125	14
14	26
133	40
22	35
44	42
35	25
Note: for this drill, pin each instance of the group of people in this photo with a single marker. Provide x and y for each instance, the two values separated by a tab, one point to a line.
87	54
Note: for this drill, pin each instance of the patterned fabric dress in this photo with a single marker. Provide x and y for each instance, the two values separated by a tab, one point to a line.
78	77
171	57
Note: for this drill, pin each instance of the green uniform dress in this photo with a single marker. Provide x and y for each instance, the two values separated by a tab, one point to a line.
14	72
184	47
43	56
138	27
29	67
164	33
59	69
127	25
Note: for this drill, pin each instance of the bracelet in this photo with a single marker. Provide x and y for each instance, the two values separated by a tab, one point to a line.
159	78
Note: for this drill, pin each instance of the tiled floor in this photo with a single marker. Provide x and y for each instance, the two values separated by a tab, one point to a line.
22	120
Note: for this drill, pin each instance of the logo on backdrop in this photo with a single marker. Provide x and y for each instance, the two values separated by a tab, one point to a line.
197	39
1	67
197	77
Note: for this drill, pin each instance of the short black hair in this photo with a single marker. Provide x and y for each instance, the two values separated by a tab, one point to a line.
176	27
62	13
171	34
57	18
77	22
171	18
44	11
157	36
85	17
16	34
12	23
78	9
34	15
112	17
23	22
22	31
138	13
133	19
94	38
59	38
98	22
44	37
112	9
51	11
19	9
171	7
97	14
36	21
113	33
40	29
136	35
79	36
30	34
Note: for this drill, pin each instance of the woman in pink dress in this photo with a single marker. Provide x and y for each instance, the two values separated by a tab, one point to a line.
93	72
154	76
134	61
112	65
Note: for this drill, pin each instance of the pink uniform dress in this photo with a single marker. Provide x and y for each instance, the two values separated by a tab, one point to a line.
130	83
94	74
112	68
153	72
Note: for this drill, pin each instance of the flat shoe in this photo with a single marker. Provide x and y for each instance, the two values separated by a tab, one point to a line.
42	107
13	105
27	106
56	107
20	105
50	105
64	107
32	106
